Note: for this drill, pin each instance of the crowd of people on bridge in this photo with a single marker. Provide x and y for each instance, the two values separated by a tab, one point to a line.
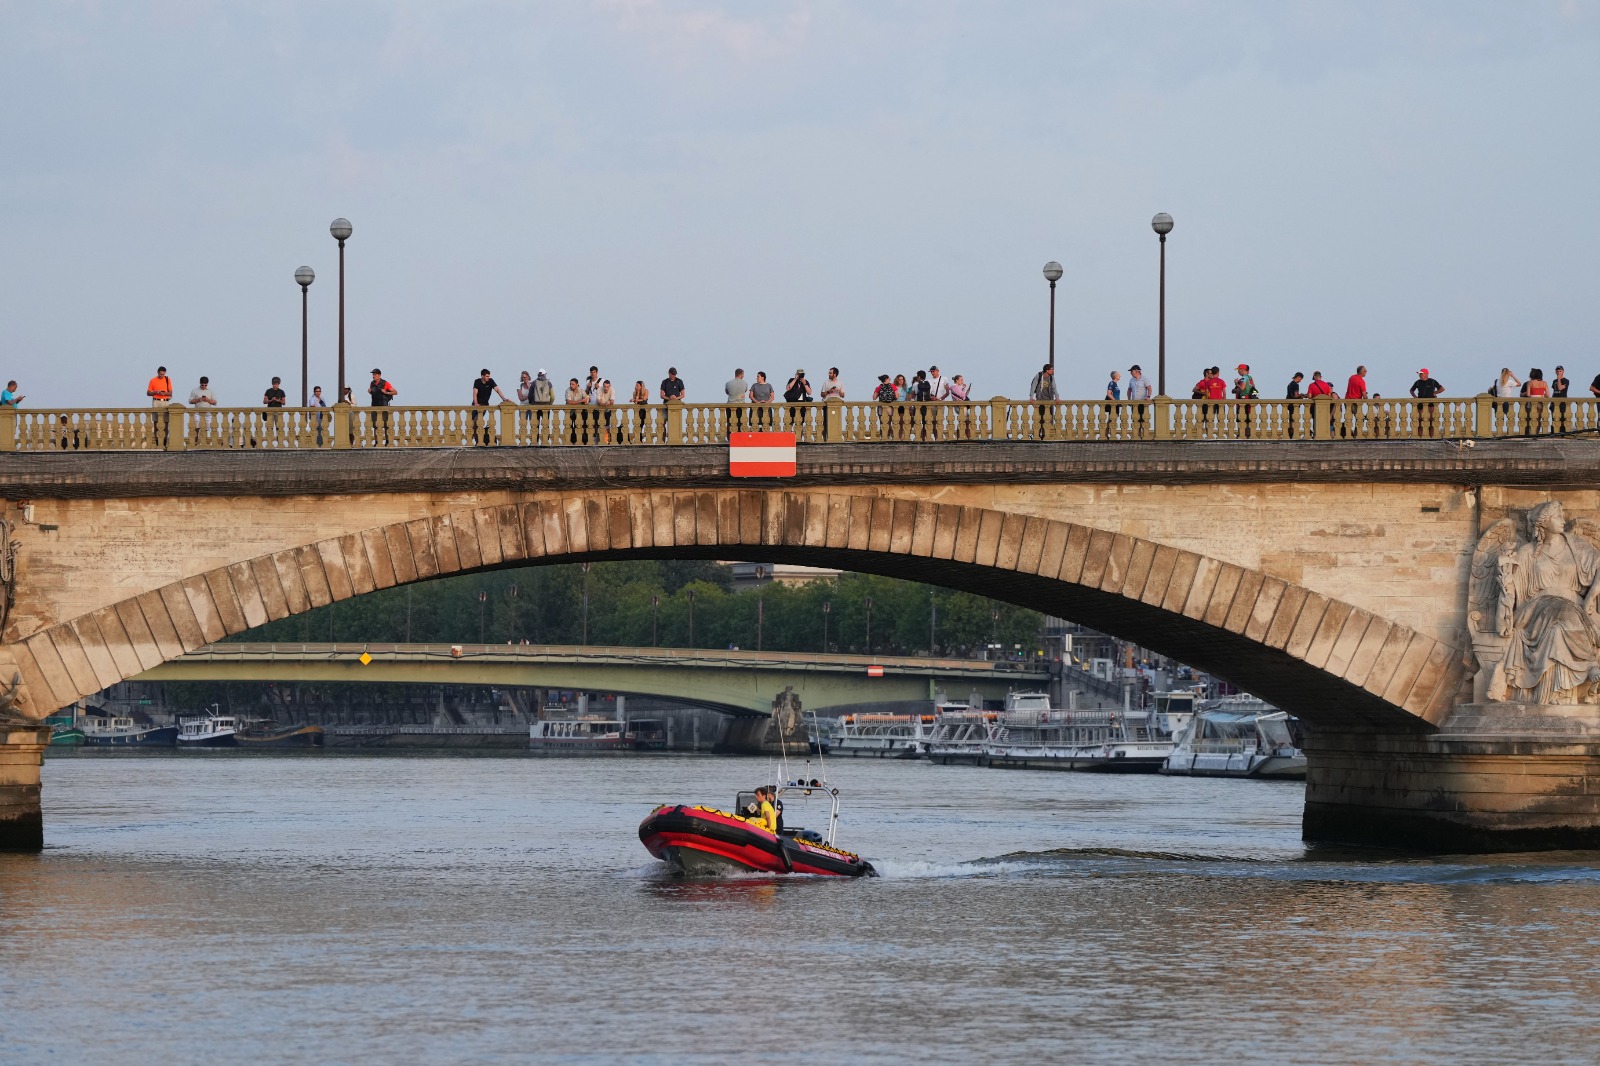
921	386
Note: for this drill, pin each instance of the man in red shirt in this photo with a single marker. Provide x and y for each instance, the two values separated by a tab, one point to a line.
1357	388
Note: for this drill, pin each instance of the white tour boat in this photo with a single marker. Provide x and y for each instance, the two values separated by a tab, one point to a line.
1237	736
882	736
212	731
586	734
960	734
1032	735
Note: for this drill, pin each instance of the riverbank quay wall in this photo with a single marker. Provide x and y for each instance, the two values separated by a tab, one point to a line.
1327	576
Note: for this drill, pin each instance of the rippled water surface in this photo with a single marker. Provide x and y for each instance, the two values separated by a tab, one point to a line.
334	908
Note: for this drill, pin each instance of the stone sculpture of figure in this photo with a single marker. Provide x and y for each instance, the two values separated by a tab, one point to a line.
1536	609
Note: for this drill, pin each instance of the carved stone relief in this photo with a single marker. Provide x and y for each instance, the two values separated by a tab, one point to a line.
1534	609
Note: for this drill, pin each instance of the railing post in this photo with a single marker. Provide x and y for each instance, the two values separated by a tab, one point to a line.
505	425
1483	416
998	430
672	413
1322	417
8	429
177	436
833	424
342	413
1162	413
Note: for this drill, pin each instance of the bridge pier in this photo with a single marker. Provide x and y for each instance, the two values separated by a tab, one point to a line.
784	732
1494	778
21	756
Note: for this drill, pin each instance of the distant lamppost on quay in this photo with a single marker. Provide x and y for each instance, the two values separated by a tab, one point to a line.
341	230
827	608
1052	274
1162	224
305	276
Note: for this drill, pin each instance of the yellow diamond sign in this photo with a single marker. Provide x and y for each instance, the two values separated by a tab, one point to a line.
365	659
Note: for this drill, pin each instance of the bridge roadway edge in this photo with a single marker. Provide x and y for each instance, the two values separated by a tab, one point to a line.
1533	462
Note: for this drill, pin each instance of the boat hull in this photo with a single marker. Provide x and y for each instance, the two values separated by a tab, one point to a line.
699	841
159	737
308	736
904	750
209	740
1080	763
1267	767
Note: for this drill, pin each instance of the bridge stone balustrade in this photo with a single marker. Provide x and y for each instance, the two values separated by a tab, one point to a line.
343	427
1329	576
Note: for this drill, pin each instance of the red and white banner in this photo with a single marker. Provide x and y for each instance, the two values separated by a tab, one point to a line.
874	671
761	454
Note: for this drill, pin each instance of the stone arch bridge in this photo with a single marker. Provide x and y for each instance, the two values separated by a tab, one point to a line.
1329	577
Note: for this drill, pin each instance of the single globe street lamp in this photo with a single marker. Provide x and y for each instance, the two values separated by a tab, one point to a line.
305	276
1162	224
341	230
827	607
1052	274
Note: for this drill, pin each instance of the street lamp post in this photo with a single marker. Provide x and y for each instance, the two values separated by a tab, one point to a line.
483	599
760	618
655	604
827	608
933	620
341	230
690	594
305	276
585	567
1162	224
868	603
1052	274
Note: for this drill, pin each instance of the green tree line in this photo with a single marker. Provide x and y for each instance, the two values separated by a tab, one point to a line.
669	604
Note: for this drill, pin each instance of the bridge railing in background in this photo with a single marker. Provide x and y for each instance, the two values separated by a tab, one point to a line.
231	651
178	428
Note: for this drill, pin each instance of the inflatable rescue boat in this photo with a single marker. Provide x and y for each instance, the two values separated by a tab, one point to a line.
705	841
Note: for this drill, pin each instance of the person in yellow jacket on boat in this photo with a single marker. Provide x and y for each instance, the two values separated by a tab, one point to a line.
766	815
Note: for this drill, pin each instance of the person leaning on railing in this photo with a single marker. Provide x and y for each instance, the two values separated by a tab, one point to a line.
578	412
761	393
1426	388
833	390
381	394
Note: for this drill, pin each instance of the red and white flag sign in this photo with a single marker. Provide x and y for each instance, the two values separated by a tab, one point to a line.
761	454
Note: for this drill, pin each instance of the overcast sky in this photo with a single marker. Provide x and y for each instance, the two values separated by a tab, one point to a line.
771	185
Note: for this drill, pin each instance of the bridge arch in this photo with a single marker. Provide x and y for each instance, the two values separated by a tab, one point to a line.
1337	665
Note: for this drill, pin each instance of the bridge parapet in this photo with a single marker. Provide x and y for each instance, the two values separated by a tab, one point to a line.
177	428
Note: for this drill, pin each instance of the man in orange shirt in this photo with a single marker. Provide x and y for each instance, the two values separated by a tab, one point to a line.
160	389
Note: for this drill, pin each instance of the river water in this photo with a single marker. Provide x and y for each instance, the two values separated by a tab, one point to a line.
341	908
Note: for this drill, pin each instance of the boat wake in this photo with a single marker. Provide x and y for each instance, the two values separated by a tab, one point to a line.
905	869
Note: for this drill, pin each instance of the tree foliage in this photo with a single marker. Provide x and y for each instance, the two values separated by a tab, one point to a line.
646	603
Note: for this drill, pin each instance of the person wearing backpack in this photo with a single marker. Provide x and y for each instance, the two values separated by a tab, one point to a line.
541	396
1042	389
885	396
381	394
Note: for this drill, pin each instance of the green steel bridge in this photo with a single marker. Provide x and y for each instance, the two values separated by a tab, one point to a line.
736	682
